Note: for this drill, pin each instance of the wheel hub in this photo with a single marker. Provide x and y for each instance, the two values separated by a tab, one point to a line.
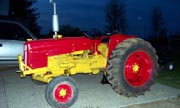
135	68
138	68
63	92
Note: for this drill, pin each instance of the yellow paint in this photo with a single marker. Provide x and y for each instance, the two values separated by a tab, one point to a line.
135	68
103	48
59	36
29	39
69	64
62	92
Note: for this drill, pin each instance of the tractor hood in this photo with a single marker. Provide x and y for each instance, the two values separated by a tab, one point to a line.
37	51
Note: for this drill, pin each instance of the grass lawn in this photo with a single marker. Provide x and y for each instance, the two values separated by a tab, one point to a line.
171	78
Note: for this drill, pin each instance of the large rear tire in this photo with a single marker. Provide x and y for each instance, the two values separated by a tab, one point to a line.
61	92
132	67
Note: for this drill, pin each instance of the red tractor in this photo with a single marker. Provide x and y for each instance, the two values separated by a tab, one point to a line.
128	63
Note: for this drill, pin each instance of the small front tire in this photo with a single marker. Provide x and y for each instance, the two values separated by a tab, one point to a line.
61	92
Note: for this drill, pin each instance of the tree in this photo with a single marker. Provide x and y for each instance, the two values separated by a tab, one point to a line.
67	30
159	31
96	32
115	16
23	10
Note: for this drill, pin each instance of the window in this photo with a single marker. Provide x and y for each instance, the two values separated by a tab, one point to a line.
11	31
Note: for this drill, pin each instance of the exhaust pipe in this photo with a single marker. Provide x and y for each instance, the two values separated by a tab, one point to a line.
55	20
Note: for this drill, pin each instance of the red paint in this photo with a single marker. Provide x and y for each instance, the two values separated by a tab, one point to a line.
37	51
139	78
63	99
115	39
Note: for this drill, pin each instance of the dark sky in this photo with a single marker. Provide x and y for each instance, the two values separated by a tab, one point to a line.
88	14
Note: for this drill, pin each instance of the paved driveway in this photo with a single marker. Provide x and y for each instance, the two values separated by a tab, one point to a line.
23	93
